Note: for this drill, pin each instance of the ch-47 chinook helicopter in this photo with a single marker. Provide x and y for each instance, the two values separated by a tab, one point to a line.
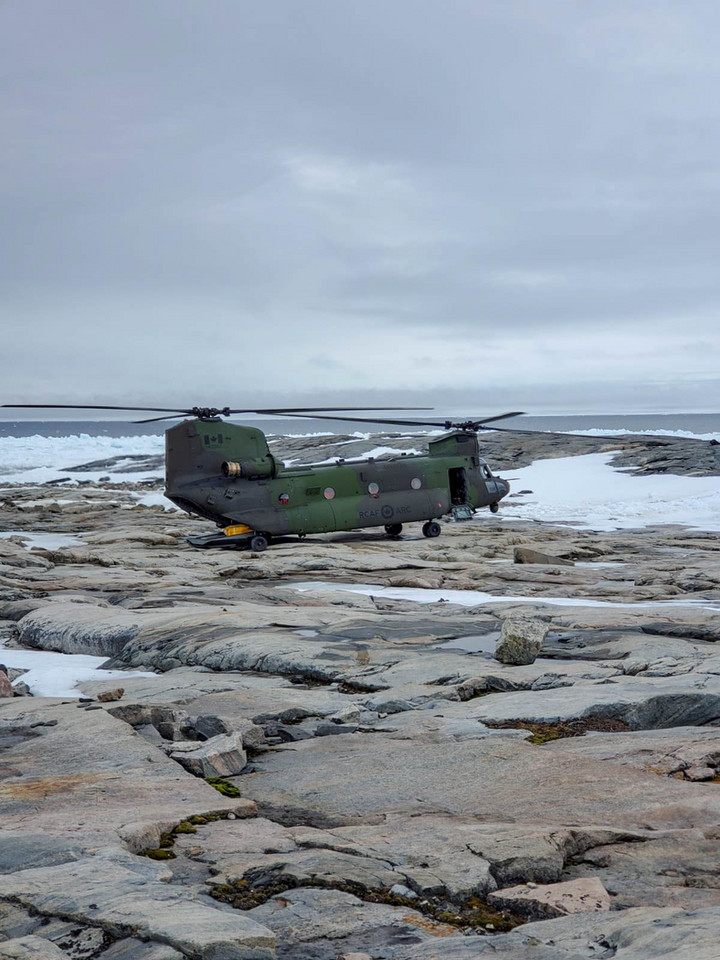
226	473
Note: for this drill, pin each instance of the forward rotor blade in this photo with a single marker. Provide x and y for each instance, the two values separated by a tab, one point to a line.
86	406
202	412
279	411
170	416
400	423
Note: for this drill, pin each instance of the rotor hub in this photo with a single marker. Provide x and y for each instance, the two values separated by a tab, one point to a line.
210	413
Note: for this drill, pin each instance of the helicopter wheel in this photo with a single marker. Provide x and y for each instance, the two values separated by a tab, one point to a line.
258	543
431	529
494	507
393	529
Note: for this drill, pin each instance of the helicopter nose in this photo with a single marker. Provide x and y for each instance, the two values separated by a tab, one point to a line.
504	487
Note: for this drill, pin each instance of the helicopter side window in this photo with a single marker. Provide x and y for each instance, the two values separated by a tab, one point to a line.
486	471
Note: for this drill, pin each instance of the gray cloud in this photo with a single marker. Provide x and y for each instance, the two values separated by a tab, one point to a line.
515	200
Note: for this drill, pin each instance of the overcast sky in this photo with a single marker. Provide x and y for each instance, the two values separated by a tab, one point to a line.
495	205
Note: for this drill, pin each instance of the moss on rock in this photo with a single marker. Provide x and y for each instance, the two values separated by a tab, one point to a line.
223	786
474	912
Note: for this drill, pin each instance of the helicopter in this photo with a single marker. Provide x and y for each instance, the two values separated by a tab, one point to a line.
225	472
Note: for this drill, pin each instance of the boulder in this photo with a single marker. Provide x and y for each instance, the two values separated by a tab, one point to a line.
543	902
6	689
207	726
528	555
221	756
520	641
700	773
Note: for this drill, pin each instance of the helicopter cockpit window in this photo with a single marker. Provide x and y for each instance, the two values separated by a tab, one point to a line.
486	471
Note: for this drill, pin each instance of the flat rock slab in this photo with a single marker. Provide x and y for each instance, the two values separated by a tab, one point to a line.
324	924
638	934
640	702
30	948
663	752
126	897
90	781
670	869
337	781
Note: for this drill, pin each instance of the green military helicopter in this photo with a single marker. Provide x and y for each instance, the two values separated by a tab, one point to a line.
226	473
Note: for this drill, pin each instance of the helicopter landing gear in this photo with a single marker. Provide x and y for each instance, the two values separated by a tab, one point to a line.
494	507
393	529
431	529
258	543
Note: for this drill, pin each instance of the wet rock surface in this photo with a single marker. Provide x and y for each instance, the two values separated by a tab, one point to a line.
315	773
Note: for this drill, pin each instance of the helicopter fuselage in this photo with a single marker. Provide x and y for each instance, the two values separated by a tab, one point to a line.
226	473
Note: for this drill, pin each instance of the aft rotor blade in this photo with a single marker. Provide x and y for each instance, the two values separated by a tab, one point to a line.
559	433
501	416
302	410
442	425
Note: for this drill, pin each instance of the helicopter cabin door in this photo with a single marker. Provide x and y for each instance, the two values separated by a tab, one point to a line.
457	477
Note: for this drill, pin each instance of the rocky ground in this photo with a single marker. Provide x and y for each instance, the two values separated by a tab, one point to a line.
317	774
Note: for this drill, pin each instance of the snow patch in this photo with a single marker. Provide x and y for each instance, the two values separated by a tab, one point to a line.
587	492
474	598
154	499
47	541
58	674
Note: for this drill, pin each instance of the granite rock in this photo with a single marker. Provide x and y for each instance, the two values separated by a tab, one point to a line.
520	641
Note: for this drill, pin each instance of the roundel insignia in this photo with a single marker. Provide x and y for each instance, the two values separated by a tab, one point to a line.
386	512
